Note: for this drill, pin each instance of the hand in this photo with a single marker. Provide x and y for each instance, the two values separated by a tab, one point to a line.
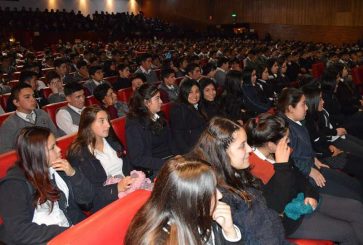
222	215
341	131
317	177
311	201
319	164
53	86
334	150
63	165
125	184
283	151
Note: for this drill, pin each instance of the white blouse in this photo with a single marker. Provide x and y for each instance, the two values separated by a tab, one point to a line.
110	162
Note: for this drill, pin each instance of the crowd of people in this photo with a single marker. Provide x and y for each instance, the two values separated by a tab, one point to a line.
255	150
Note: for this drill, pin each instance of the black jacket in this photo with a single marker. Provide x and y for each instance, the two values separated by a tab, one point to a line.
17	211
186	124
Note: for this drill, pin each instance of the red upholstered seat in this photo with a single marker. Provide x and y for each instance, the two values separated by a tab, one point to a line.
13	83
91	100
4	116
178	80
111	80
166	109
310	242
317	69
107	226
46	92
64	143
4	99
52	109
118	126
124	95
7	160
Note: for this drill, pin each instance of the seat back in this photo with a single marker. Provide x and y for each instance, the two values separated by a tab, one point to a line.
124	95
91	100
166	109
64	143
310	242
178	80
111	80
7	160
4	100
52	109
4	116
357	79
107	226
46	92
118	126
317	69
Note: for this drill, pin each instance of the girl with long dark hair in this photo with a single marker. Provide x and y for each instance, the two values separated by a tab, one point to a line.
209	101
224	145
41	196
148	134
329	218
184	208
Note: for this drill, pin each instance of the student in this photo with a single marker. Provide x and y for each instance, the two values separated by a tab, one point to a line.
68	117
169	91
145	68
123	80
221	72
186	120
148	135
25	115
60	65
137	80
108	100
224	145
98	154
41	196
331	218
96	75
292	106
80	75
166	218
56	85
209	102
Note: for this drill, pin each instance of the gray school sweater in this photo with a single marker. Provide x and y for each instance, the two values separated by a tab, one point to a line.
13	124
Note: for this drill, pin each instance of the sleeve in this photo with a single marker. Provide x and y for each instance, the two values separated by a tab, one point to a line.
252	102
221	238
136	149
17	212
305	186
83	189
7	136
179	129
64	122
51	125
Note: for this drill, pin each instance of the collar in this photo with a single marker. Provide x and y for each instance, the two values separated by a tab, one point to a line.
23	115
79	111
97	83
297	122
145	71
155	117
260	155
171	87
220	69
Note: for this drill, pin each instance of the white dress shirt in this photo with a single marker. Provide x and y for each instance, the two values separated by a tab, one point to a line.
110	162
64	120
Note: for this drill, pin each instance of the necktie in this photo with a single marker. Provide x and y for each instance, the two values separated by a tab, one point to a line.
30	118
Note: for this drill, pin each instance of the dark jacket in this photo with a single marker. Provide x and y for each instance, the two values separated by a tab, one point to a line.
17	211
121	83
254	99
186	125
95	173
258	224
347	97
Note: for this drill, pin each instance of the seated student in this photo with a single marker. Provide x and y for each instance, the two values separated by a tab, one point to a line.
109	68
41	196
108	100
222	69
96	75
137	80
224	146
255	101
55	84
331	218
97	153
209	71
186	120
263	83
30	78
68	117
81	74
123	80
209	103
25	115
148	135
145	62
166	216
193	72
60	65
292	107
169	91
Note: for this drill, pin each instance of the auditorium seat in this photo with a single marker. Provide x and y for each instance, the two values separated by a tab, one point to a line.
46	92
178	80
107	226
124	95
310	242
64	142
118	126
4	116
4	99
7	160
16	75
317	69
166	109
52	109
13	83
91	100
111	80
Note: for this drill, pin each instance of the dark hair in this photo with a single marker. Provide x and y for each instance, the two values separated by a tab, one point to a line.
121	67
52	75
312	95
270	63
101	91
165	73
93	69
221	61
329	78
31	146
16	90
208	68
260	68
139	111
190	67
212	147
184	90
71	88
85	136
144	57
182	185
265	128
59	61
247	74
139	76
26	76
289	96
81	63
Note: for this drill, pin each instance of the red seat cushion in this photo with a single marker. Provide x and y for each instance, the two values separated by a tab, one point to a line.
7	160
91	100
310	242
52	109
124	95
166	109
118	126
64	143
